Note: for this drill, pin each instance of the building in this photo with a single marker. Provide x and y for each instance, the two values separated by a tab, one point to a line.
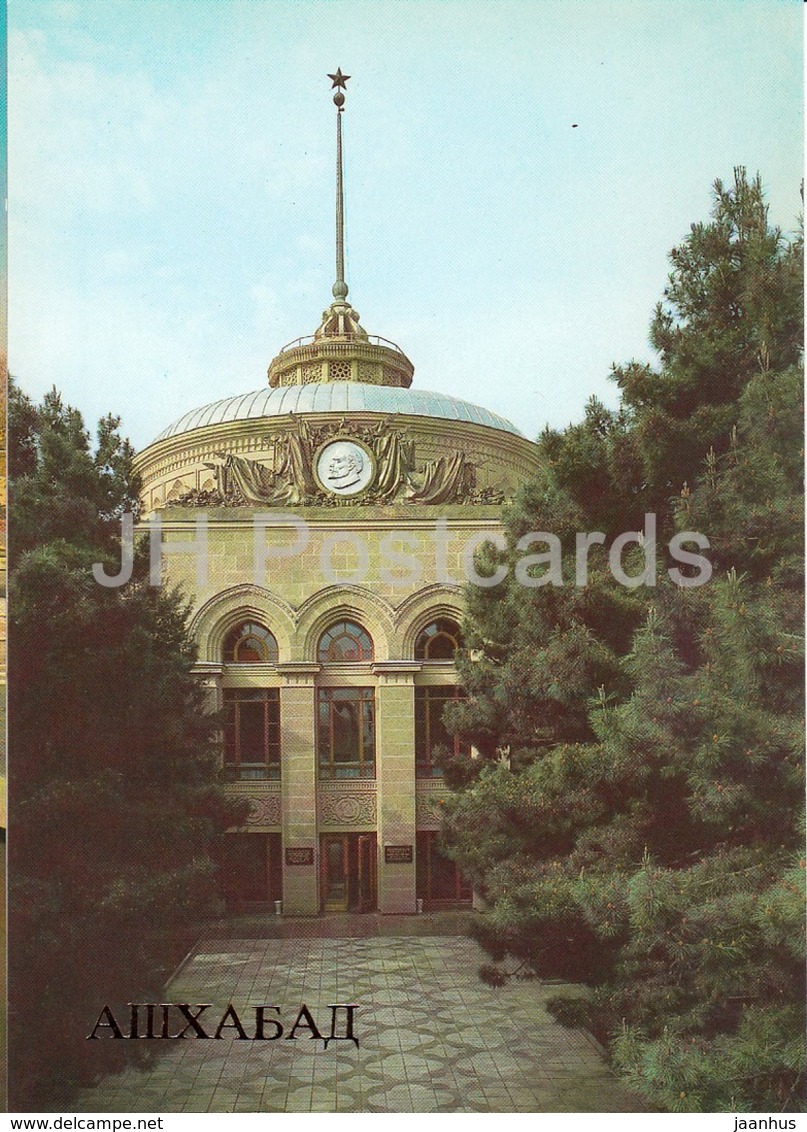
339	510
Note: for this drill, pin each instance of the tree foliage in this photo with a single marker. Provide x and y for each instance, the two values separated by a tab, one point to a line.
114	777
635	820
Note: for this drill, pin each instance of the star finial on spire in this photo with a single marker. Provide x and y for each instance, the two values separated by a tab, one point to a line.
340	286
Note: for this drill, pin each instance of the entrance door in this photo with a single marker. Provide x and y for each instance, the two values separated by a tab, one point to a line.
348	872
335	872
439	882
251	870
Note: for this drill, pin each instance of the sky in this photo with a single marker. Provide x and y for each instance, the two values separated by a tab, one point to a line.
516	174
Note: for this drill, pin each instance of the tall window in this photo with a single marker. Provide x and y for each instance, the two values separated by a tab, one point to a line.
431	732
345	643
252	733
250	643
439	640
346	733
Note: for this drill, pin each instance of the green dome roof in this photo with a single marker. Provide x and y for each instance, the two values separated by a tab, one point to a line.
336	397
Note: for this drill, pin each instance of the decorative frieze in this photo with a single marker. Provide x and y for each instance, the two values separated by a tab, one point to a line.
429	797
380	459
339	809
457	462
265	805
265	810
340	805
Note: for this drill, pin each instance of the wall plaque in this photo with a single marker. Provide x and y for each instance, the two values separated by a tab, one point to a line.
303	856
398	855
344	467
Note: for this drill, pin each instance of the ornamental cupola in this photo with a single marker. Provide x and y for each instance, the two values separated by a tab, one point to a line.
341	349
338	425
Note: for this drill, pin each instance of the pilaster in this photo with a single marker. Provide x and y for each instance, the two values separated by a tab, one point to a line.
210	678
299	788
395	771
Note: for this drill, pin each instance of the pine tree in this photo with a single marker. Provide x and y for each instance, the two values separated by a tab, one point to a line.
646	834
114	783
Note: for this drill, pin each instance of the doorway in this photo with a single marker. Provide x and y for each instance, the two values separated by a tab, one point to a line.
251	871
348	872
439	882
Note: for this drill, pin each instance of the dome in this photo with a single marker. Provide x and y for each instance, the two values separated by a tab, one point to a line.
336	397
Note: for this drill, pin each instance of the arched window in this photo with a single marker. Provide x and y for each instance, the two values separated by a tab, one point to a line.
344	643
250	643
439	640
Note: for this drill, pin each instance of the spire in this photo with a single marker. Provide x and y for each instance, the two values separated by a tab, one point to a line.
340	320
340	286
340	349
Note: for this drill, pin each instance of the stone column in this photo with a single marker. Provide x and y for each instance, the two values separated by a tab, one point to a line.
298	789
395	775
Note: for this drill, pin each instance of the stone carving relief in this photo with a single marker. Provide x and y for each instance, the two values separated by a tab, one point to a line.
429	800
355	809
178	491
264	811
303	472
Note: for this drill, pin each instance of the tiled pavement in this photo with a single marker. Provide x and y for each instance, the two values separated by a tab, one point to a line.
433	1038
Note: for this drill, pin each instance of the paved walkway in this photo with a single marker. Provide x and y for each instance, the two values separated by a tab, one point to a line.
433	1038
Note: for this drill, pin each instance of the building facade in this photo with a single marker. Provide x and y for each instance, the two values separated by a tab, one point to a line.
324	527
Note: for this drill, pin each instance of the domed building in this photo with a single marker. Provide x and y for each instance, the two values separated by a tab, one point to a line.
325	527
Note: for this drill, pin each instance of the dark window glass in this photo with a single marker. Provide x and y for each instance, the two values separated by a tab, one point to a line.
250	643
252	733
431	732
438	641
346	733
345	643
